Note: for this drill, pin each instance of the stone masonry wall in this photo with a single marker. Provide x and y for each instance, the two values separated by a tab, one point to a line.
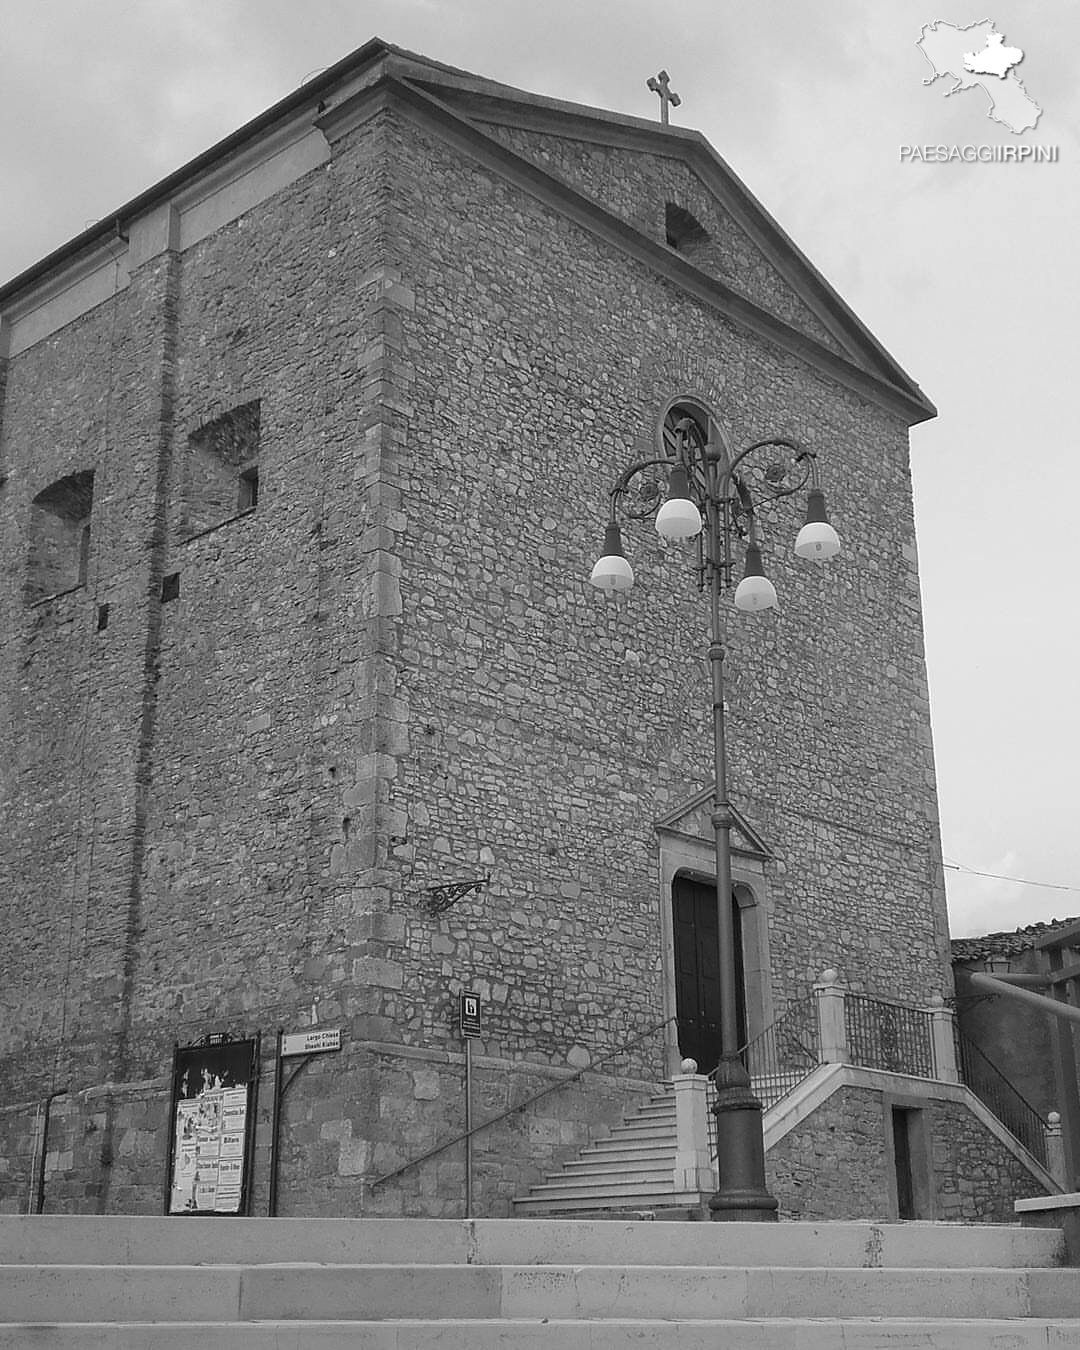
835	1165
77	691
571	351
978	1179
638	186
347	1121
229	808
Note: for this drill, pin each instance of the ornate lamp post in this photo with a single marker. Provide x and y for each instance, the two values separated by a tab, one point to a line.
713	494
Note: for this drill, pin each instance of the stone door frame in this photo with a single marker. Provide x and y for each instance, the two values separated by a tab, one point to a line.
695	858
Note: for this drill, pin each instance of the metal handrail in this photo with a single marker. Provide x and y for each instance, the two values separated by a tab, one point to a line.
513	1110
1005	1100
783	1055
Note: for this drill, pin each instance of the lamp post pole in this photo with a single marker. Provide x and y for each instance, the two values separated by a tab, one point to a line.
704	482
740	1140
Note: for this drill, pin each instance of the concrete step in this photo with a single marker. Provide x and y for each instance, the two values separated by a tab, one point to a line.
54	1239
98	1283
652	1130
660	1108
64	1294
650	1115
620	1176
875	1333
633	1161
601	1187
647	1148
644	1155
633	1207
598	1188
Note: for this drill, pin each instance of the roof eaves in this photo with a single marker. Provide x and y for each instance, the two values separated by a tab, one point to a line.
1014	941
311	94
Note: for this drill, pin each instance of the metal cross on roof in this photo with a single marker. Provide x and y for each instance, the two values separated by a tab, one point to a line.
659	85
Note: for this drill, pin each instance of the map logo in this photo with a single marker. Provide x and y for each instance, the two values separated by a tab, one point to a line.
977	57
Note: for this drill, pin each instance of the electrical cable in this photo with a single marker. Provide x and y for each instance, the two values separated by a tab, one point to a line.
998	876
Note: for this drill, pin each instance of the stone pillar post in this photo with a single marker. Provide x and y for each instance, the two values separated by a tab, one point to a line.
832	1030
1055	1150
943	1036
693	1165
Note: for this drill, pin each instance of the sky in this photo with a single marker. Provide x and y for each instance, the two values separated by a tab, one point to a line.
966	272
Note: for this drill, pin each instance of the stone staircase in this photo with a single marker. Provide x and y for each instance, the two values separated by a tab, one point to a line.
96	1283
630	1169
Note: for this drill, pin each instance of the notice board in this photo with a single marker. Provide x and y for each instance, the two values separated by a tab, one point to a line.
212	1126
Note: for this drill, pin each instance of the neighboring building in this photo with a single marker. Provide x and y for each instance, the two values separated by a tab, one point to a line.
1014	1036
304	465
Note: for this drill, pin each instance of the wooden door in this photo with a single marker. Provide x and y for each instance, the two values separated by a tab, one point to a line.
697	971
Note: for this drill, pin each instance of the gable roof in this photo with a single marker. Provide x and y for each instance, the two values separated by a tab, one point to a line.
463	107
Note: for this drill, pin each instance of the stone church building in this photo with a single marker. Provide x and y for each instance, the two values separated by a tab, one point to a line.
311	721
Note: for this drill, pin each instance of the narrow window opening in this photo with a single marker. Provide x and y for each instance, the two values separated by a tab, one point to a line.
222	475
684	232
248	498
102	618
59	553
170	587
84	553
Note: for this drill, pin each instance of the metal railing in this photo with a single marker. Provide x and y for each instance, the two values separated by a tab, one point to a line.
995	1091
889	1036
786	1052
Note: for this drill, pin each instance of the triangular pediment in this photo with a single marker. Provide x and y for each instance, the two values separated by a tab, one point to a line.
667	199
633	170
692	819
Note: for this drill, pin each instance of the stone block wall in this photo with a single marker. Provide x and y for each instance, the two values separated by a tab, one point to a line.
833	1166
575	348
838	1164
978	1179
348	1121
413	1104
638	186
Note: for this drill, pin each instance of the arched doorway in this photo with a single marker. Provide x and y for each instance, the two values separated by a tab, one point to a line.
697	970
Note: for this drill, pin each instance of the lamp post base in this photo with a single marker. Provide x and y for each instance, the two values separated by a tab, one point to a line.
740	1149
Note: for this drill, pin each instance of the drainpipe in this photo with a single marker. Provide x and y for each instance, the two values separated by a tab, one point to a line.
38	1206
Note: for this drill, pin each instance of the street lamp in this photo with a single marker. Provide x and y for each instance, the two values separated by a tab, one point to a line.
713	495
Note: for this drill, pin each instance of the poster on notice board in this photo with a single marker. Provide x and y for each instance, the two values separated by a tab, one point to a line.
212	1126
